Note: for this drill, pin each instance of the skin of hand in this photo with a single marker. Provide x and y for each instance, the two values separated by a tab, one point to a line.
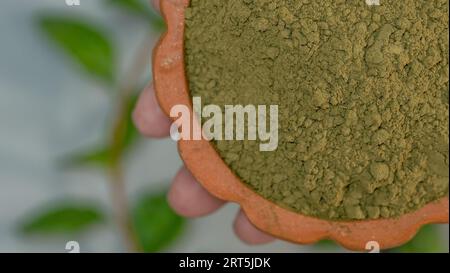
186	196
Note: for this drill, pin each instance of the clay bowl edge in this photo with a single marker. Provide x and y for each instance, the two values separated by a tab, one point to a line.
210	170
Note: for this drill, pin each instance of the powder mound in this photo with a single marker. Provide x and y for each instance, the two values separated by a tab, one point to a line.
362	93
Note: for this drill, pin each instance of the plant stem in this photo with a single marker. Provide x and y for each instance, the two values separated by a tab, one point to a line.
116	168
121	209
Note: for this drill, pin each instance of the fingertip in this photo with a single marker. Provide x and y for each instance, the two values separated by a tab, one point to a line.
156	5
188	198
148	116
248	233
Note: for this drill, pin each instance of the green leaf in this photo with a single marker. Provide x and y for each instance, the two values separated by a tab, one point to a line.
102	156
427	240
62	219
99	157
84	43
135	6
131	132
155	223
327	245
141	8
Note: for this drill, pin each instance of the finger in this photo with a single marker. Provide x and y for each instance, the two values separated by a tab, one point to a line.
148	116
188	198
155	4
248	233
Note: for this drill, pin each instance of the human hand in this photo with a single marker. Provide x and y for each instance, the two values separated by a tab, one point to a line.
186	196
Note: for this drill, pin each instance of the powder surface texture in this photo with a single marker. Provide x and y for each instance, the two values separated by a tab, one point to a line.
362	93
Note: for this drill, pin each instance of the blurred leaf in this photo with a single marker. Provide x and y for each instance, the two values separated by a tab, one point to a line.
84	43
141	8
131	133
327	245
98	157
101	156
63	219
136	6
155	223
428	240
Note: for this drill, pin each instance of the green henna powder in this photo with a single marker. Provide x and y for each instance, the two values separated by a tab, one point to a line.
362	93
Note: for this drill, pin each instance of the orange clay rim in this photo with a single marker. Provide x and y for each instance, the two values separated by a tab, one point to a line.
212	172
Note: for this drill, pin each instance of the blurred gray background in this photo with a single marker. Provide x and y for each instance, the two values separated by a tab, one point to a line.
48	109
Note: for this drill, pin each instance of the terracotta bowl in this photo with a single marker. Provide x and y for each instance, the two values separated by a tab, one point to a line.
211	171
